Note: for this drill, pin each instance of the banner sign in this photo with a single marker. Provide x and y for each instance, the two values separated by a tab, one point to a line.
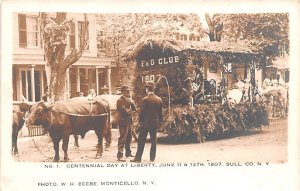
166	68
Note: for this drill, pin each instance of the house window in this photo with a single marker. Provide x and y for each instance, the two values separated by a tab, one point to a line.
72	36
28	31
181	37
185	37
191	37
81	29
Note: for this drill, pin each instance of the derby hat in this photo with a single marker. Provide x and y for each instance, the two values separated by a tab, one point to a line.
150	84
105	88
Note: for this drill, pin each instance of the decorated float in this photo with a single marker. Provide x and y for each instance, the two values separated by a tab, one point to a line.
195	79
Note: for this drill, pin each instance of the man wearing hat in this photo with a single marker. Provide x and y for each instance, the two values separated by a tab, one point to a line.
105	89
150	118
125	106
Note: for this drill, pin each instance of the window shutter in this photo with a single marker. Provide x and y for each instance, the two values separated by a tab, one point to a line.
80	33
87	33
22	30
72	36
81	29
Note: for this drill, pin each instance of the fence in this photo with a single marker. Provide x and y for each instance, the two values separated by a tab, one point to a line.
35	130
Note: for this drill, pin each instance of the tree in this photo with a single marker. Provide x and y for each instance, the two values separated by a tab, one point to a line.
215	28
268	32
54	32
123	30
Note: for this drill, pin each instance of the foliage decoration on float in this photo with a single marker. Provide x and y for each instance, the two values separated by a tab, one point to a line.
202	121
205	121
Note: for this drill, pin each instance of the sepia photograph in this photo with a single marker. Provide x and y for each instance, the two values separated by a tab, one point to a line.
133	92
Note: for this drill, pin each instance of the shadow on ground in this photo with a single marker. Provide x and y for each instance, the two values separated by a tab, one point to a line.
164	139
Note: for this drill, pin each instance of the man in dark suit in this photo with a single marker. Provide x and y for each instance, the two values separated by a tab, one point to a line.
150	118
125	107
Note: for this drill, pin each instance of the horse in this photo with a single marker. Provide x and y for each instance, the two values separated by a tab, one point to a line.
18	119
278	93
65	118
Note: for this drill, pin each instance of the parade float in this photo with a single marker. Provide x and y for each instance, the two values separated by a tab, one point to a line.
194	80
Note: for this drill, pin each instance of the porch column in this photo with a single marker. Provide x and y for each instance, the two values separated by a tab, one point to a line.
258	76
109	79
27	85
86	80
32	82
97	81
42	82
19	86
67	85
77	80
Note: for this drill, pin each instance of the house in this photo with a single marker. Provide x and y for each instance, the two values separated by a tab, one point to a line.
279	69
29	77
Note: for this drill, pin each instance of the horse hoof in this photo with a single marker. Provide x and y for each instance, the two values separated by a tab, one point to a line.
66	159
76	148
15	154
107	148
56	160
98	156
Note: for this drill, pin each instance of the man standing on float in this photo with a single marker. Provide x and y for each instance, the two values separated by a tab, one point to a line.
150	118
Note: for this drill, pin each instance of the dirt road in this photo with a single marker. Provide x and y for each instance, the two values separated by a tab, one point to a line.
268	145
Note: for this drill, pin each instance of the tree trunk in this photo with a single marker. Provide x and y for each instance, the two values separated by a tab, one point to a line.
211	27
54	33
214	29
58	92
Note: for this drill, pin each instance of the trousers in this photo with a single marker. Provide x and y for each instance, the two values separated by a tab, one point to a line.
124	140
143	132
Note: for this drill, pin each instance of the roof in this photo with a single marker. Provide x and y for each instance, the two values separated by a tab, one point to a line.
217	47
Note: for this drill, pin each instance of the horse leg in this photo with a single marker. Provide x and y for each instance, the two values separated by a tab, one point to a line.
285	107
55	141
56	149
99	133
73	128
14	141
282	107
65	147
76	144
107	136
